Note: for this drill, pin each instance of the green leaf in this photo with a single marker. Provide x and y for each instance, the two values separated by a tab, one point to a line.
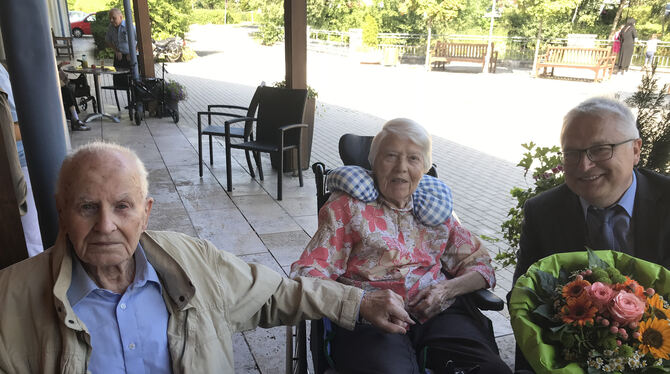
533	293
545	311
563	276
595	261
548	282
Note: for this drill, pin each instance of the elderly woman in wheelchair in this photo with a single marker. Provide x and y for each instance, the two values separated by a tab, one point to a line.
393	229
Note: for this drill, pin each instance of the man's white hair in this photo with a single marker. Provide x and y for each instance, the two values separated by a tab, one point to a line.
406	128
74	158
602	107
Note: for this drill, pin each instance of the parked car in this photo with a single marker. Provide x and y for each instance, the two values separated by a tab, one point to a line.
76	15
82	27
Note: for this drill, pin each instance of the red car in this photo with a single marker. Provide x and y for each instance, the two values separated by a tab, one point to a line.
83	26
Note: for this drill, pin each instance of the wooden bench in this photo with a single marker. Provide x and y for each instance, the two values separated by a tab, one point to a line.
444	52
62	45
595	59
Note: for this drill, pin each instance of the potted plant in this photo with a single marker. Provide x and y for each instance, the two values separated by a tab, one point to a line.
174	93
307	134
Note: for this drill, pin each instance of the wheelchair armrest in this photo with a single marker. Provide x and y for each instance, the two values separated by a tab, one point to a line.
486	300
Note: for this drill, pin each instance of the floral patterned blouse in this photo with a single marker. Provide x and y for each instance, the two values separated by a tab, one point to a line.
374	246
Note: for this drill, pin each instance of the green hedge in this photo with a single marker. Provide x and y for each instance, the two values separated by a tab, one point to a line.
215	16
99	30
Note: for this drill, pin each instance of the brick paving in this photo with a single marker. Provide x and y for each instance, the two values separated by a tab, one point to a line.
477	126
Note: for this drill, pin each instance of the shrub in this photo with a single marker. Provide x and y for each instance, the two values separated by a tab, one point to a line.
653	122
188	54
311	92
370	31
547	174
213	16
99	30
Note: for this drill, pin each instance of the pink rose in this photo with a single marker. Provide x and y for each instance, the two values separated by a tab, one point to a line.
626	308
600	295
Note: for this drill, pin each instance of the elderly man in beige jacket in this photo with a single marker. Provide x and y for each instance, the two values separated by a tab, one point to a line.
112	297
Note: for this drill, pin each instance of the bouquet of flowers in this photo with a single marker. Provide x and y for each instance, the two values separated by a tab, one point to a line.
577	312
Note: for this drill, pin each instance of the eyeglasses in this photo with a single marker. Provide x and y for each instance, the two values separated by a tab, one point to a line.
602	152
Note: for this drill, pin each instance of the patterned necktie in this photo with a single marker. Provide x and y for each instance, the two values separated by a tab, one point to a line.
600	228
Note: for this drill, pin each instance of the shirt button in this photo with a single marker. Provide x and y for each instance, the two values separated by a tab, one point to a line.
123	306
131	346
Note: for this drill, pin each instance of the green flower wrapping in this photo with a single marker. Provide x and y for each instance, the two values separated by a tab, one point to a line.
545	357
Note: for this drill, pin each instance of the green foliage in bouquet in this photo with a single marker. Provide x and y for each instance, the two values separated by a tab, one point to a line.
603	320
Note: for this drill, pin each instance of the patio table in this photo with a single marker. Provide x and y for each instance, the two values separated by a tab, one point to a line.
96	72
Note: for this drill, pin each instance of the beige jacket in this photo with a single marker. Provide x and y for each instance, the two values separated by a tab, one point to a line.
210	295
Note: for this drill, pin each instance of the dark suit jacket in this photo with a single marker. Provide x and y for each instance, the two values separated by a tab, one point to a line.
554	222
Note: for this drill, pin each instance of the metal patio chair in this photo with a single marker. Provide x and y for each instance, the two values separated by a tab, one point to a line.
278	129
228	113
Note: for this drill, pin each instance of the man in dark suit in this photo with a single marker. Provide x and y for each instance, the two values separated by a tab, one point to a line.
605	202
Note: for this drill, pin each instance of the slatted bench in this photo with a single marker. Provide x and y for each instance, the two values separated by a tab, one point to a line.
444	52
595	59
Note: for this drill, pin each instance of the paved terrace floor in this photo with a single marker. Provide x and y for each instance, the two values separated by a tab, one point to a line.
477	122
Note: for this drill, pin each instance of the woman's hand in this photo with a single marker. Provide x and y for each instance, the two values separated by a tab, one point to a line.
431	300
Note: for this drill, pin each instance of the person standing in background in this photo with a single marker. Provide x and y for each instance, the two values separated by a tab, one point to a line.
117	39
652	45
627	37
24	191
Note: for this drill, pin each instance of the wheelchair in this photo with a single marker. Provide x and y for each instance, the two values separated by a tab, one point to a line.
81	92
354	150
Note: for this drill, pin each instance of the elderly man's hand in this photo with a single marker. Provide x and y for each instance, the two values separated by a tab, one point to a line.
385	309
118	55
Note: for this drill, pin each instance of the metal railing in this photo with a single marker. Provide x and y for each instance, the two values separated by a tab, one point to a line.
412	47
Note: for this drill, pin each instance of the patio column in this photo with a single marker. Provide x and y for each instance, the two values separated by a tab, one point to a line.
32	70
143	27
295	31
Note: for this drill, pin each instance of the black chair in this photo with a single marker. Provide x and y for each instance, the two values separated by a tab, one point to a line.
278	129
81	90
354	150
232	112
121	82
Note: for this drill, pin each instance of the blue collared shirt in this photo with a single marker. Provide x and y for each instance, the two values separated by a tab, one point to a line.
620	223
118	36
129	331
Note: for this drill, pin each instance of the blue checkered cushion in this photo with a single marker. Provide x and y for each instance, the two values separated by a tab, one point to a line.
432	199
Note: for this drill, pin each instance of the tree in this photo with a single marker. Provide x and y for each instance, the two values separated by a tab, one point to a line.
370	31
617	17
555	16
653	122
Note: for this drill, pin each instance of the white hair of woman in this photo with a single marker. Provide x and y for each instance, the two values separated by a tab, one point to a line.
602	107
404	127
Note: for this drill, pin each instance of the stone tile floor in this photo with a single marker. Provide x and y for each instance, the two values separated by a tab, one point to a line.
473	157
